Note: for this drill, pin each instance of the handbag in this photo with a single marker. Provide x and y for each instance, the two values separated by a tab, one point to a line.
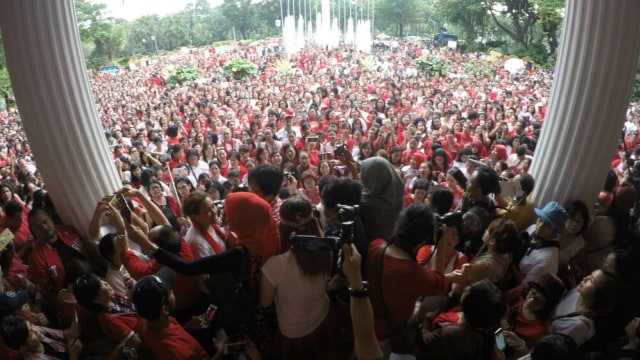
235	295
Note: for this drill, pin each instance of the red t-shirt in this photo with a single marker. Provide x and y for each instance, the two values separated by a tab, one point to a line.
171	343
531	331
11	277
22	234
118	326
403	281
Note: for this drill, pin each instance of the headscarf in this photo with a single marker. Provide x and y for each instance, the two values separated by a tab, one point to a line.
382	185
501	152
251	220
482	150
382	197
419	159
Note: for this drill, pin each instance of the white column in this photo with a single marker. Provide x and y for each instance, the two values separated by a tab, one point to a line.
594	75
51	86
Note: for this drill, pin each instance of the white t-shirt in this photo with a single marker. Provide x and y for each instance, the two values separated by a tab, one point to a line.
538	262
200	248
115	278
302	303
579	327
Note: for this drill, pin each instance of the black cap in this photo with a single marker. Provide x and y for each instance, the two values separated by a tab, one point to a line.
151	292
11	301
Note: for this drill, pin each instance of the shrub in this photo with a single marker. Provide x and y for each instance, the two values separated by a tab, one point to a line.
181	75
239	69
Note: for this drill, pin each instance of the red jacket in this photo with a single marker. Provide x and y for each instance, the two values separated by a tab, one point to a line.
46	269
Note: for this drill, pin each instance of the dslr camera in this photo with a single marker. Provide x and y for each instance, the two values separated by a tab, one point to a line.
451	219
347	213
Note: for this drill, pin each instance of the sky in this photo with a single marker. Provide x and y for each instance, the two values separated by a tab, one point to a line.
131	9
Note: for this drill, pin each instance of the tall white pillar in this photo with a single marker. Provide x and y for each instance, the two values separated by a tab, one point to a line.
594	75
51	86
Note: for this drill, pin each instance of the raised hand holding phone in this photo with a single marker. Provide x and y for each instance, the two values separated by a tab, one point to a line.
125	210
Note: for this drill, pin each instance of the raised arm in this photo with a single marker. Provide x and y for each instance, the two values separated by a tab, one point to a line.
227	261
153	210
96	220
366	344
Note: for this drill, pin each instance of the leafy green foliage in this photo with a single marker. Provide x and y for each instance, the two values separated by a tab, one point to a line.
531	26
470	15
102	35
433	65
635	96
181	75
477	68
549	14
239	68
5	84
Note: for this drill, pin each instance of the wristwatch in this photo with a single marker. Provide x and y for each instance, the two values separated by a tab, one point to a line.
362	293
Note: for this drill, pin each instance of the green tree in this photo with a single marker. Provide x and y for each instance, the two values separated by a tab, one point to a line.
516	18
270	12
109	41
174	31
102	36
469	15
549	13
5	82
90	18
242	15
399	14
142	30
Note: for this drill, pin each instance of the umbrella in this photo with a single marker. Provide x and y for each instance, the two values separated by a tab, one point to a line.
515	66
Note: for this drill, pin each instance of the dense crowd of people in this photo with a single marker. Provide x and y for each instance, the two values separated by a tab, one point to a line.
359	206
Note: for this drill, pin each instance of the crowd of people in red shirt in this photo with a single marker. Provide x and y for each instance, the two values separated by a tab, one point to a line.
394	173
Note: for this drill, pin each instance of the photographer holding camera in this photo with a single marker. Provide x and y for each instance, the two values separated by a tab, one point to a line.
397	280
296	282
337	194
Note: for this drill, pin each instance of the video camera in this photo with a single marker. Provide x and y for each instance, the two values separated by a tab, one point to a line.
315	243
347	215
